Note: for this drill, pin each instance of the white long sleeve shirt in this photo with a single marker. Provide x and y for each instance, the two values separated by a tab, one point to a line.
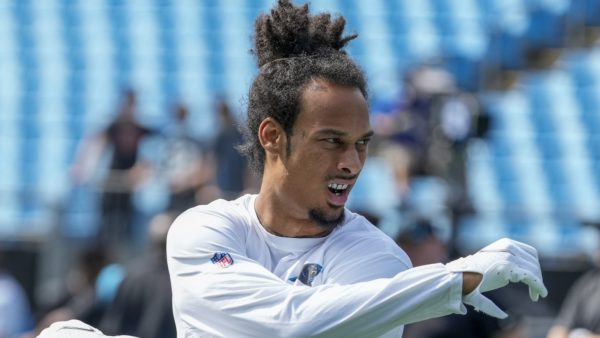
231	278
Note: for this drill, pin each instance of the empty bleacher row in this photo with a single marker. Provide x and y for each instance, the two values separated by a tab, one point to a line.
63	65
540	166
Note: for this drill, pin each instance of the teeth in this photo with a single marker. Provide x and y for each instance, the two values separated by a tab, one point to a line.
338	186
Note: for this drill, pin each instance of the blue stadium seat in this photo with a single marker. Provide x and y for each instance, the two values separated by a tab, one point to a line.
506	23
591	8
593	145
547	18
482	177
374	189
596	163
589	100
548	146
480	230
66	64
9	148
584	66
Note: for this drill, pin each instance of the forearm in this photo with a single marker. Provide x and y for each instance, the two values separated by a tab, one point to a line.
414	295
237	307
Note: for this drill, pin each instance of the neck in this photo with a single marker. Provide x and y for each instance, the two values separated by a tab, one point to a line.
281	219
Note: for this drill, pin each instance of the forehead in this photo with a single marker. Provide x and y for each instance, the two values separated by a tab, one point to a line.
324	105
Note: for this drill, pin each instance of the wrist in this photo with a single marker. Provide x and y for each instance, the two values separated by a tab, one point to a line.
470	281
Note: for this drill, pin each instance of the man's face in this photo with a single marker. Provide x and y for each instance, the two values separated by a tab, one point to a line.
327	152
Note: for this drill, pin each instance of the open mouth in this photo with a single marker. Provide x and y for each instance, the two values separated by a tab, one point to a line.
337	189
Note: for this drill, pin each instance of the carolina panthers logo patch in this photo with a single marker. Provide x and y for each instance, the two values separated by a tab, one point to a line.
309	272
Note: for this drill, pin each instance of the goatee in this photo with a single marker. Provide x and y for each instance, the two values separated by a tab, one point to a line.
319	217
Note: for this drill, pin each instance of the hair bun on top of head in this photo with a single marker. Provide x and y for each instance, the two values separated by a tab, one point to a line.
290	31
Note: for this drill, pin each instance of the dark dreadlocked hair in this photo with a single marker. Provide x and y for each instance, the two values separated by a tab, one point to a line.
292	48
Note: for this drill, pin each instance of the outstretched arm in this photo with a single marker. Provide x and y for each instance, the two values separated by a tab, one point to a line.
245	299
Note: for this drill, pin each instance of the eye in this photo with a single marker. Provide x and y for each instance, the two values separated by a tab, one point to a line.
364	142
333	140
362	145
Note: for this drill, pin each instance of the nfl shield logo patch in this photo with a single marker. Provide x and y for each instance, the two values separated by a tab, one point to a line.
223	259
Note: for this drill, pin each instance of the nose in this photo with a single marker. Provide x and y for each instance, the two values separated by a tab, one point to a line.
351	161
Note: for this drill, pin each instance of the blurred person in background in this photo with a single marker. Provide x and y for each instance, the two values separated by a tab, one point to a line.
184	163
176	162
230	167
579	316
120	140
142	306
79	299
15	316
454	120
422	243
400	162
408	121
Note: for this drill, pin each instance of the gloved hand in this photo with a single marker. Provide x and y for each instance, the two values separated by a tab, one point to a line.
73	329
499	263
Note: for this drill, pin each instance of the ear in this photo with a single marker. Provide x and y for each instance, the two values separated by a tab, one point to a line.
271	136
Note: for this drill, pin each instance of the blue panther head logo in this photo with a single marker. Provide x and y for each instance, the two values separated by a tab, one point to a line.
309	272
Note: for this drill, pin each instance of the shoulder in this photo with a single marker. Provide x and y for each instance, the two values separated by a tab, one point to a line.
357	230
359	251
220	223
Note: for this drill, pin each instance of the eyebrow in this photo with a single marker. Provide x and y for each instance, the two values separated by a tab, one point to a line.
341	133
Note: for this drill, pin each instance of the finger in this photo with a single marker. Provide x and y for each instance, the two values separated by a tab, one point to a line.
533	295
531	267
484	304
536	286
544	292
522	275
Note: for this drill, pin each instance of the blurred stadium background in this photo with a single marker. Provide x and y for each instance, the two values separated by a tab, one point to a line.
533	65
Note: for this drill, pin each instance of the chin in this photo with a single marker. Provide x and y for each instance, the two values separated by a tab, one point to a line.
327	220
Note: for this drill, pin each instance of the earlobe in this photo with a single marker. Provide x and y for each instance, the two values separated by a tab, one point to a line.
270	135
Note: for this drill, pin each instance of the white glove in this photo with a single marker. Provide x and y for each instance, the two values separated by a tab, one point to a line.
499	263
73	329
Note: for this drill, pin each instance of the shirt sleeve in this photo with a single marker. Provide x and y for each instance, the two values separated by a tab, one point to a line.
240	298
